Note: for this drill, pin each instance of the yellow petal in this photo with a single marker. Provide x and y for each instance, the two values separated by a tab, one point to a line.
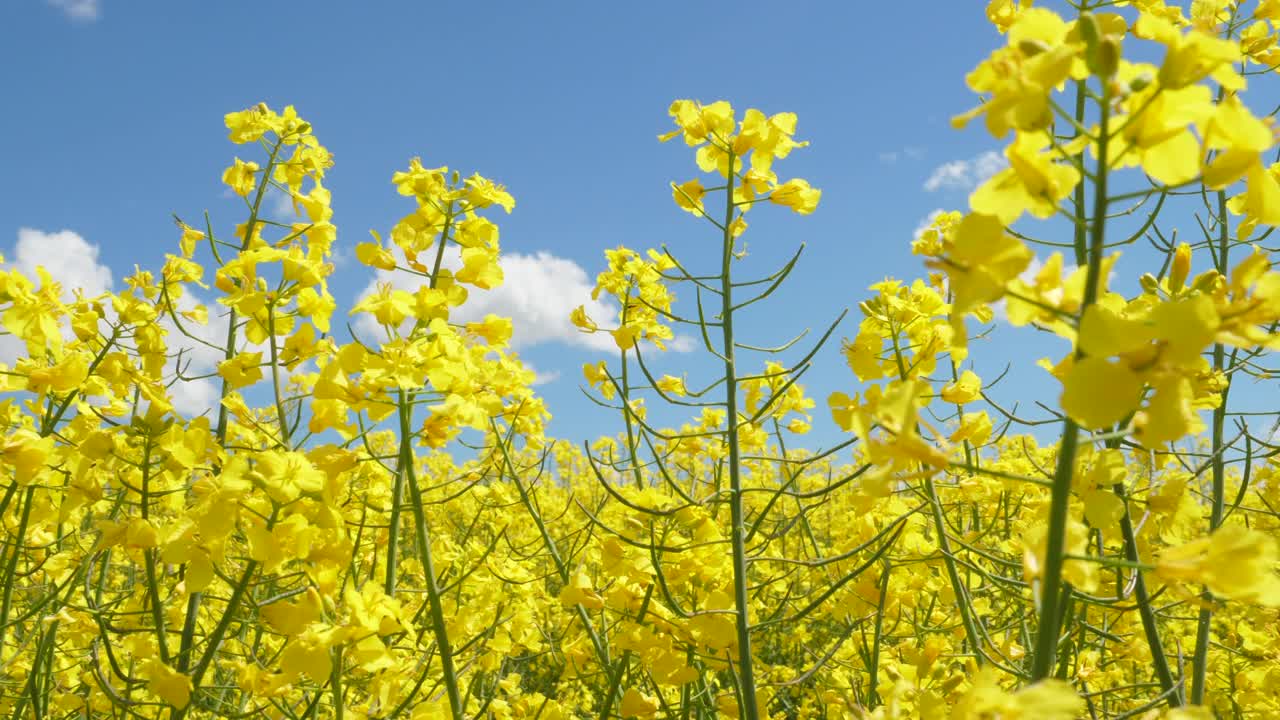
1098	393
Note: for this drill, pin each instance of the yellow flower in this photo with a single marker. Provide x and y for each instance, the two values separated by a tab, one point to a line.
578	591
975	427
1191	56
240	177
375	256
1098	393
582	321
388	305
1170	414
482	192
1002	13
1034	182
637	704
672	385
190	236
167	684
699	123
493	329
1240	139
797	195
480	268
308	653
766	137
61	378
966	389
1020	77
26	453
1235	563
1045	700
242	370
688	196
1157	131
982	261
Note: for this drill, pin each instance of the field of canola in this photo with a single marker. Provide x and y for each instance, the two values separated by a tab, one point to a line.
322	544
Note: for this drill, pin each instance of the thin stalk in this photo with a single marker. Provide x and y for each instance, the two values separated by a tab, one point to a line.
1051	598
873	697
10	572
1218	491
397	492
746	674
220	432
438	627
958	587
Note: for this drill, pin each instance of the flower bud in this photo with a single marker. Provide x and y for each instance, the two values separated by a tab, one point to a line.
1149	283
1181	268
1206	281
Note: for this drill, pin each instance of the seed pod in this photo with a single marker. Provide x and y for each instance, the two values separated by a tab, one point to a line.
1031	48
1087	26
1108	57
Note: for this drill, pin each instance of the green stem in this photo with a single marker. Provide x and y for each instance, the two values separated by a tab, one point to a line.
149	557
335	684
10	572
220	432
958	587
281	415
397	492
438	626
873	697
746	674
1143	600
1200	661
1051	597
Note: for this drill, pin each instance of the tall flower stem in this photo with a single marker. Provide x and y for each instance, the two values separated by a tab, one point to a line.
746	672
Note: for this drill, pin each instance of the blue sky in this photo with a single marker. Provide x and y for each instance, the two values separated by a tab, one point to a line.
114	121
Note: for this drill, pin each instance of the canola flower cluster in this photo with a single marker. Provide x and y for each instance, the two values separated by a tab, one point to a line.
383	528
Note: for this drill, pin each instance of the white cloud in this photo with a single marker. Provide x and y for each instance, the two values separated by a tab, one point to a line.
200	395
538	293
73	263
954	174
965	174
543	378
910	152
81	10
280	206
68	257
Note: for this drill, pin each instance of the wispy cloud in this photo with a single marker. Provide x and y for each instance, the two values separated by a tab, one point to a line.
965	174
79	10
910	152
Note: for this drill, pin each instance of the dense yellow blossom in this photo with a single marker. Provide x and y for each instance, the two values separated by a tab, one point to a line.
302	520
